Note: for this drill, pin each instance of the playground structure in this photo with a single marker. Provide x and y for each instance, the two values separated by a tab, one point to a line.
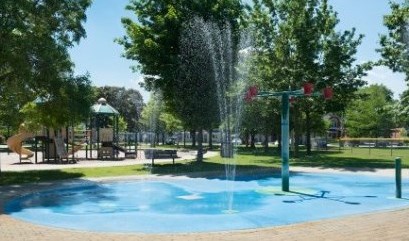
105	138
100	138
55	145
15	144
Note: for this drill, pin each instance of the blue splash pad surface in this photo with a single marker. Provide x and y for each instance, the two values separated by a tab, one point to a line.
202	205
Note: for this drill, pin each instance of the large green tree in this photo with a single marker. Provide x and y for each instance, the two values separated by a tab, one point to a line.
34	60
156	41
69	104
395	45
395	53
128	102
297	42
150	118
371	115
401	110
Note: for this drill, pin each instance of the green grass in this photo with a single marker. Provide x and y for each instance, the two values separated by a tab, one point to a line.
247	161
354	158
109	171
8	178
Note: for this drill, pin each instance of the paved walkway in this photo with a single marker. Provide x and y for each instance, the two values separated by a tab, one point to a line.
12	162
386	225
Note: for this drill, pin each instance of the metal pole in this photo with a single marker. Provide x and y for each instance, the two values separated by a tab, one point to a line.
36	149
398	177
285	168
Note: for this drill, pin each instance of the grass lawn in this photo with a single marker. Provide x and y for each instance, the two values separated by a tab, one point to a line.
355	158
247	160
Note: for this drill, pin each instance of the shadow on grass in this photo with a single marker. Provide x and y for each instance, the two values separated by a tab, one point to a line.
8	178
259	151
211	170
330	160
257	162
251	163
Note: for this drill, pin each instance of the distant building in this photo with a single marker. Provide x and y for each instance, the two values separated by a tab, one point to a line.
398	132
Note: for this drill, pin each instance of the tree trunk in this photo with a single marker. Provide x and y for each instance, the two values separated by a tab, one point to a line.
153	140
252	140
308	131
157	139
210	139
265	144
184	138
200	146
193	136
295	142
246	138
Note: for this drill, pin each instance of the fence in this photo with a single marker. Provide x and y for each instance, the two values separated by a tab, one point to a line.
374	143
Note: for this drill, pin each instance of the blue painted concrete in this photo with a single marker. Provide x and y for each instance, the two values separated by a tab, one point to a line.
201	205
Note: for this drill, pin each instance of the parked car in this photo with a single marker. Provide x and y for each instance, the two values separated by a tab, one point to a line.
170	141
382	144
236	141
321	144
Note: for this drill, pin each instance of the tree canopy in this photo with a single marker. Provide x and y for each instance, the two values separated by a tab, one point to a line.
128	102
401	110
34	60
165	42
296	41
395	45
371	115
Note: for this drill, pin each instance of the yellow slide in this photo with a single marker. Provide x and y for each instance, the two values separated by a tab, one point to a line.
15	144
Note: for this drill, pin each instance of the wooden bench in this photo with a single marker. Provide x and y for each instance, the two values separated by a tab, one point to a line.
159	153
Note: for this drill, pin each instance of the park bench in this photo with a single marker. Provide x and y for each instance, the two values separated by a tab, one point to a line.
160	153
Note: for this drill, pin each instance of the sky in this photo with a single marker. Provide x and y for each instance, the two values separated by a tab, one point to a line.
100	56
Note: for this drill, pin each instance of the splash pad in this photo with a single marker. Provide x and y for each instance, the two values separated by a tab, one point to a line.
184	205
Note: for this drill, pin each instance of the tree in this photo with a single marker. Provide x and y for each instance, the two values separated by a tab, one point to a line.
260	117
171	123
128	102
395	53
395	46
156	119
34	60
202	77
122	125
370	116
157	42
150	117
69	104
401	110
296	42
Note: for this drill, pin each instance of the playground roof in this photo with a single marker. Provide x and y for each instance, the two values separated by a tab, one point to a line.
102	107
